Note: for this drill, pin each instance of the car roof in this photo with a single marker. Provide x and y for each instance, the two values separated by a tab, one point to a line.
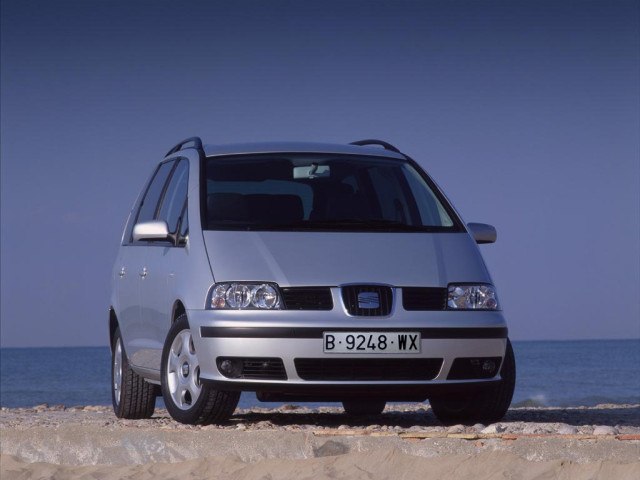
299	147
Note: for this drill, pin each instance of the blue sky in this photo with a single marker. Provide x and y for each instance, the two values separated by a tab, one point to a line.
526	113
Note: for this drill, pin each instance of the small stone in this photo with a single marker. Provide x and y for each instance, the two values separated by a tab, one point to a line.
342	427
456	429
330	449
567	430
604	430
241	426
478	427
531	430
495	428
289	406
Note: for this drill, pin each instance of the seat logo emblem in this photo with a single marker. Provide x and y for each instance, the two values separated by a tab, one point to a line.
368	300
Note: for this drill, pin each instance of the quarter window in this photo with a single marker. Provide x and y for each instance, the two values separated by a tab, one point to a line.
175	196
154	192
184	226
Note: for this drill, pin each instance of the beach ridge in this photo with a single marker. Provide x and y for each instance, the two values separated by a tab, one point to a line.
578	440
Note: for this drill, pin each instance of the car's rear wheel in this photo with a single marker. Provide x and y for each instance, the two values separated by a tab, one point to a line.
362	407
131	395
488	406
188	400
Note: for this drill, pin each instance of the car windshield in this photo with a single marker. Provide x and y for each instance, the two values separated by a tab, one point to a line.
321	192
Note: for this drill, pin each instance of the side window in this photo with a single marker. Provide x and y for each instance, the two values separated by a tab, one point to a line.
154	192
175	196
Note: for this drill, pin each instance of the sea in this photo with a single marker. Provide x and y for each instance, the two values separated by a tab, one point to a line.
549	373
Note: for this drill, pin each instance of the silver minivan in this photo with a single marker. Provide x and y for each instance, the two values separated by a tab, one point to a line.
303	272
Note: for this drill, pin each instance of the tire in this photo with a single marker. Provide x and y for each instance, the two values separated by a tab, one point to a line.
186	398
485	407
359	408
131	395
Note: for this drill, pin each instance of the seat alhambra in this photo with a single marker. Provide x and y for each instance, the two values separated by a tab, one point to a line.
303	272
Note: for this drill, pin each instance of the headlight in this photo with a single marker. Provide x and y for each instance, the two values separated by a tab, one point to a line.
239	296
472	297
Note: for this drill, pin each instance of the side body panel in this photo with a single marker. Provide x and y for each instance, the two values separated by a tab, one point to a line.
127	280
173	274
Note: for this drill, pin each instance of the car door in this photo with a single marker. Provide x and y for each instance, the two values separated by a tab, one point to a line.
132	272
161	262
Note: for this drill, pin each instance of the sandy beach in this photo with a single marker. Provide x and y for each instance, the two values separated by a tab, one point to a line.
295	442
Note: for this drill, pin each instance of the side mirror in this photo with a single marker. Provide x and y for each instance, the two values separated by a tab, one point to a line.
152	231
483	233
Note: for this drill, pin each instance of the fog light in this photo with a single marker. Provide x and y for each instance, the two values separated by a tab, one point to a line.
474	368
230	367
489	366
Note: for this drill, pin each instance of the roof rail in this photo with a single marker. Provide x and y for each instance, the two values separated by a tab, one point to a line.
386	145
197	144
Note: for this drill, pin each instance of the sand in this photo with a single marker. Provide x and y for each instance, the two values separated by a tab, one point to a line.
405	442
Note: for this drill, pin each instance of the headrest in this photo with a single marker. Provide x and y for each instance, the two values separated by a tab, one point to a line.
227	206
275	208
255	208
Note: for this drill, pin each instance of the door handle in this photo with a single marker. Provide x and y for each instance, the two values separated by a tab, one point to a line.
143	273
122	272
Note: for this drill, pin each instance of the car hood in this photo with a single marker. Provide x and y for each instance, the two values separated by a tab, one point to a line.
336	258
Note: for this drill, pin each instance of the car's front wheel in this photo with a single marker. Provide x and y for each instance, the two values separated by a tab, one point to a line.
486	407
131	395
187	399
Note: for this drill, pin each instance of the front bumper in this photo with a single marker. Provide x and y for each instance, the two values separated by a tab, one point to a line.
291	335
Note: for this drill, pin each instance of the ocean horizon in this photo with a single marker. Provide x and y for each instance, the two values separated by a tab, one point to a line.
562	373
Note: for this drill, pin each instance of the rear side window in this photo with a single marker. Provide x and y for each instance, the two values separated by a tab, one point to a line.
154	192
175	196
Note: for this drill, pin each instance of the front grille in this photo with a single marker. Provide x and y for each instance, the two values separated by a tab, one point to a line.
307	298
355	300
372	369
253	368
424	298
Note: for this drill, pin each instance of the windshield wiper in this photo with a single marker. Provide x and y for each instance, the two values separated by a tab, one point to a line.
339	224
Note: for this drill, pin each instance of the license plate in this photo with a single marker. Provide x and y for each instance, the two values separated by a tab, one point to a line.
371	342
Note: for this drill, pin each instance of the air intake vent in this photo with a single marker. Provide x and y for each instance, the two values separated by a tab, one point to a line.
367	300
372	369
424	298
307	298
